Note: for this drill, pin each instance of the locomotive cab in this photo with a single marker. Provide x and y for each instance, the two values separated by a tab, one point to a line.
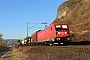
62	33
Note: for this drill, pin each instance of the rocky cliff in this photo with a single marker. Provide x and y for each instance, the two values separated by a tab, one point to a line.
77	14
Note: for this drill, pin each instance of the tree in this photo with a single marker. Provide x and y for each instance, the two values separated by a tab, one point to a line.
1	36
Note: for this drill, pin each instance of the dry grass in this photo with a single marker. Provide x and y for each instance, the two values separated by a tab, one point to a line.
16	54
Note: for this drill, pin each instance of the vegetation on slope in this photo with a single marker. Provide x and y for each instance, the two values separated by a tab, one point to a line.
17	54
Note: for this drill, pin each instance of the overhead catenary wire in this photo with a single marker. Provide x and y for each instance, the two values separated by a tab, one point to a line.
51	17
41	23
38	24
34	25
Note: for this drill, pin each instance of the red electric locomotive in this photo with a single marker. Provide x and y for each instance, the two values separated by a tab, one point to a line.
56	33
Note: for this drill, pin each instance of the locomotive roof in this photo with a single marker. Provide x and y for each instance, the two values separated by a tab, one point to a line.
59	23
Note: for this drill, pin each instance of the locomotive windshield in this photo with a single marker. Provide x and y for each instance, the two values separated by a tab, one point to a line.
61	27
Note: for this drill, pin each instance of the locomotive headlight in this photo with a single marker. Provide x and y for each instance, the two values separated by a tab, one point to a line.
58	39
58	32
66	32
69	38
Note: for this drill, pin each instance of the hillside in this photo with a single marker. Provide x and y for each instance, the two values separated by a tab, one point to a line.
77	14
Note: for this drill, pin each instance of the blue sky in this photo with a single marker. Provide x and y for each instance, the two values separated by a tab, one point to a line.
14	14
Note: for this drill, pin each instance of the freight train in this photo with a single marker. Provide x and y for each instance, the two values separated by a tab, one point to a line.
54	34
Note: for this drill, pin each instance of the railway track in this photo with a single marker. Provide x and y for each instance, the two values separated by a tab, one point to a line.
4	51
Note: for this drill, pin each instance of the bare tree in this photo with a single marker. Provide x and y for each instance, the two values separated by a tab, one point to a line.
1	36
